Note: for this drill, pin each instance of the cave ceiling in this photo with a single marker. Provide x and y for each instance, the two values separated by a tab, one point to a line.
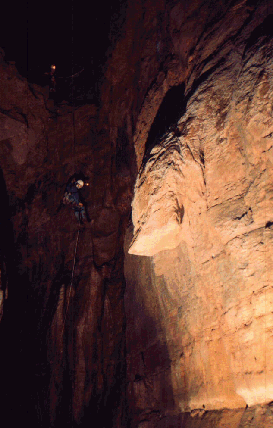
73	35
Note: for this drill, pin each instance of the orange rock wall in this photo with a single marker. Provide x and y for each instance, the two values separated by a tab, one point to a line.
199	290
198	299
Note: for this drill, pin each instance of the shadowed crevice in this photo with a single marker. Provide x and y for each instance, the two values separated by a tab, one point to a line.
171	109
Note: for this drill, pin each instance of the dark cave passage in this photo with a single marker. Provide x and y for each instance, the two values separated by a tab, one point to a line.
6	243
170	111
17	334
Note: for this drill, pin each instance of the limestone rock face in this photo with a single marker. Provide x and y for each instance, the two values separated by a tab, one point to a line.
199	284
190	342
158	204
61	299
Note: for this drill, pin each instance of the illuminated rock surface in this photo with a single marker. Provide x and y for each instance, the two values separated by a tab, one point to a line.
184	115
199	307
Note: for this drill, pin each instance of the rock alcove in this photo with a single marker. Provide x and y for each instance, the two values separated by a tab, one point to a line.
158	312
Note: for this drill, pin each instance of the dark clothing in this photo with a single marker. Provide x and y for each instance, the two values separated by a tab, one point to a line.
72	196
51	80
73	192
80	213
52	86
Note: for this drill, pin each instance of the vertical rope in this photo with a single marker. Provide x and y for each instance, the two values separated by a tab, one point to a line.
74	166
72	277
73	107
69	293
74	136
69	296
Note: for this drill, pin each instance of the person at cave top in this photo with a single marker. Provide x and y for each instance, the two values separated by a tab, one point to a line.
52	77
72	196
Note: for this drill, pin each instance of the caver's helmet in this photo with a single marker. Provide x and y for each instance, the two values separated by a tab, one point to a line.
79	184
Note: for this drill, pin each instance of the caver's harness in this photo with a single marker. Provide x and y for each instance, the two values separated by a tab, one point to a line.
72	197
69	200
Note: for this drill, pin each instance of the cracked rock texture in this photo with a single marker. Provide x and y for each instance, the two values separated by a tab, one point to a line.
183	111
63	359
199	270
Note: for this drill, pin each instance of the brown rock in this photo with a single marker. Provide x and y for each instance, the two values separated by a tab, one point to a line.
199	292
209	268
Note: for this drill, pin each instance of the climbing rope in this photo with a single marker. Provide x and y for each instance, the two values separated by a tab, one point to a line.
74	135
72	76
77	240
71	282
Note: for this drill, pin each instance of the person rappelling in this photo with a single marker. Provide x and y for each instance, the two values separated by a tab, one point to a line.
65	81
52	78
53	84
73	197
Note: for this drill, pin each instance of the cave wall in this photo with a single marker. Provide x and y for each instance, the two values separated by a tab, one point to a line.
63	323
198	255
199	262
